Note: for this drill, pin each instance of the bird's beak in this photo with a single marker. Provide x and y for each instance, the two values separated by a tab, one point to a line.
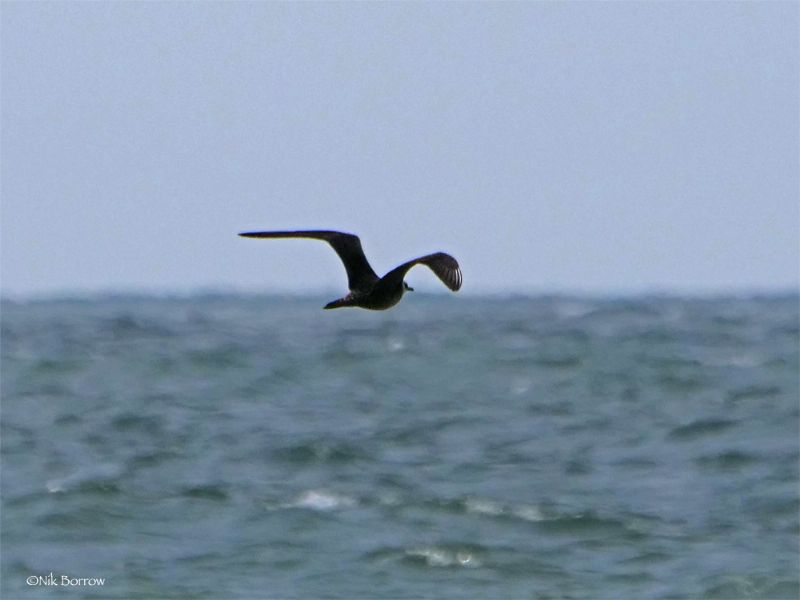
409	288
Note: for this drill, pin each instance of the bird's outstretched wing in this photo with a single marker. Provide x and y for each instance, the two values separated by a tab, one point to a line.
445	266
360	275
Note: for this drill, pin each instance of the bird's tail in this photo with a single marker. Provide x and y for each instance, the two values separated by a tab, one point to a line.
337	303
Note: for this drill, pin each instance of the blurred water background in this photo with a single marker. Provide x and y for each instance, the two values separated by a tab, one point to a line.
224	446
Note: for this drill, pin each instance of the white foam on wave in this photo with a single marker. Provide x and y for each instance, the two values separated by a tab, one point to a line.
526	512
321	500
395	344
519	386
102	472
483	507
440	557
55	485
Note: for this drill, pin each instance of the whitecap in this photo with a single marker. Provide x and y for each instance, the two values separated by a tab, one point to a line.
55	485
99	473
395	344
440	557
483	507
529	513
526	512
322	501
520	386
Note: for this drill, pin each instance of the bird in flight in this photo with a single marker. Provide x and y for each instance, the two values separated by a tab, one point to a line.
367	290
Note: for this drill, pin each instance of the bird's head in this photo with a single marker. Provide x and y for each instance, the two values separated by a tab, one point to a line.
407	287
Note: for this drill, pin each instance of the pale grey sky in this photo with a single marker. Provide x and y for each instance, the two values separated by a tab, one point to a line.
601	147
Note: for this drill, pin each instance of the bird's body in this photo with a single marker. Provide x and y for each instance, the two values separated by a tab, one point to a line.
367	290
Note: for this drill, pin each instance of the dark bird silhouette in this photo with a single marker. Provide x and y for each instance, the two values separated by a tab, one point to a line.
367	290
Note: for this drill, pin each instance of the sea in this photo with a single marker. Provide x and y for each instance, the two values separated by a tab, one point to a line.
548	446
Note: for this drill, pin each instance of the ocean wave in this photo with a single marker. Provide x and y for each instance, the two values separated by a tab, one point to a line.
743	586
494	434
525	512
754	392
206	492
730	459
447	555
101	478
433	556
320	500
325	452
701	427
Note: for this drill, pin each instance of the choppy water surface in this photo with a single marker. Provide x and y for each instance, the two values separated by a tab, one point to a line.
219	447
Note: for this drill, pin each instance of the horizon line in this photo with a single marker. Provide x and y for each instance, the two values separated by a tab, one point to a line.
231	291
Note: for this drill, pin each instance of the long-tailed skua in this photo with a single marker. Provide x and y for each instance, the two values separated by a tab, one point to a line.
367	290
